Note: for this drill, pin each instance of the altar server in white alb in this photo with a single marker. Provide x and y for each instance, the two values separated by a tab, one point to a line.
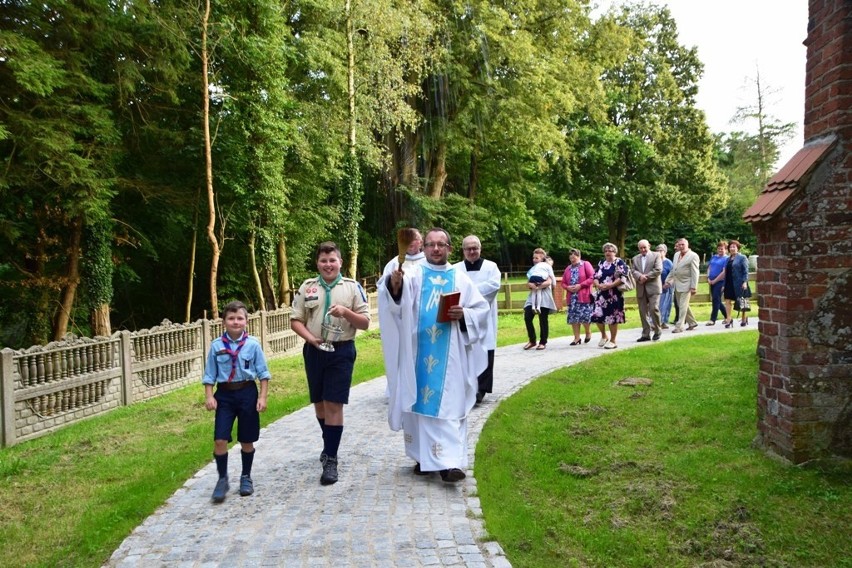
413	255
433	383
486	276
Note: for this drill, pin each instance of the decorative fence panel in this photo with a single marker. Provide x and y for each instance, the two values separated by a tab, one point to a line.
58	384
44	388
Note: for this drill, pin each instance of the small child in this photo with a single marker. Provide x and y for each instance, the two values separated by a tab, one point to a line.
234	364
329	373
537	274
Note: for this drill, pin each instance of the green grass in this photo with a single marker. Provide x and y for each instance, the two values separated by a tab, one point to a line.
70	498
576	471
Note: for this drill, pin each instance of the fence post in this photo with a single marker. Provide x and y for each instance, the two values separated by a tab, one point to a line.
126	369
507	294
7	399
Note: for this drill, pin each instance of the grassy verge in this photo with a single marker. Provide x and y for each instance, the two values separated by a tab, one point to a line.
576	471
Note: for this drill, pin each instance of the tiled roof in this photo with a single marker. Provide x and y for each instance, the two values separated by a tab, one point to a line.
787	181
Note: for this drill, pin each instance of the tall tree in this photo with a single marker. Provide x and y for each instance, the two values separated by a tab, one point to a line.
771	132
59	149
652	150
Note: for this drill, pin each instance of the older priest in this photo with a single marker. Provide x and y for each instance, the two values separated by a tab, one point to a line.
432	367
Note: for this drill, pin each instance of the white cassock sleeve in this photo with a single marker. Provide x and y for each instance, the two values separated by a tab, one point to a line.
397	324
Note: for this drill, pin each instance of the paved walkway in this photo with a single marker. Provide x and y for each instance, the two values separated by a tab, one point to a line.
378	515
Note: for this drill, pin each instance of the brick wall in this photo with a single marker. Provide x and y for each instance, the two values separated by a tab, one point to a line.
805	379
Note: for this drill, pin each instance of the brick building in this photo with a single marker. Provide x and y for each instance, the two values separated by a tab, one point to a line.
802	221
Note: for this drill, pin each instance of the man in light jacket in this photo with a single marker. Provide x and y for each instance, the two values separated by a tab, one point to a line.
684	279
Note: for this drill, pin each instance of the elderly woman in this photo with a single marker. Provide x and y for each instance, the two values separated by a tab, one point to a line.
667	295
609	305
544	290
577	281
716	280
736	282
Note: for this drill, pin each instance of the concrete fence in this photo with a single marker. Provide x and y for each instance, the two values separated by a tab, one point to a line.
44	388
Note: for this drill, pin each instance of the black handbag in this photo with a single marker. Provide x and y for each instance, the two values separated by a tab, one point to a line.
743	304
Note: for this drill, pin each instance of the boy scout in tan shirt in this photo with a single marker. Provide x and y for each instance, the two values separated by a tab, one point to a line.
331	299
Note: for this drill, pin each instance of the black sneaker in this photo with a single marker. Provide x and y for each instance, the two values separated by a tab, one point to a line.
221	490
246	485
329	471
452	475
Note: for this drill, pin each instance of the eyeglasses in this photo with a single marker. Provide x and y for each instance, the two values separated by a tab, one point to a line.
471	249
436	245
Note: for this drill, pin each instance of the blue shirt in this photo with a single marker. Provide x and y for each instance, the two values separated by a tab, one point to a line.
716	265
667	267
251	363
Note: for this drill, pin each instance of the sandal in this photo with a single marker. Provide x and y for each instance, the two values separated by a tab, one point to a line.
541	347
529	346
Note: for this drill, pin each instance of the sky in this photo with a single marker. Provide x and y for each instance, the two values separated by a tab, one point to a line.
734	39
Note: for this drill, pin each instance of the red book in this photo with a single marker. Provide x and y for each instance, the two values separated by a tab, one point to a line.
448	300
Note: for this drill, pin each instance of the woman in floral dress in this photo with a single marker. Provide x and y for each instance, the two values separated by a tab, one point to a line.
577	281
609	304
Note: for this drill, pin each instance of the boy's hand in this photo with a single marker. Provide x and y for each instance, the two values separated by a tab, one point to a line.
261	403
210	403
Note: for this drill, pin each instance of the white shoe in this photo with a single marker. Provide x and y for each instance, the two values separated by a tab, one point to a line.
610	345
603	341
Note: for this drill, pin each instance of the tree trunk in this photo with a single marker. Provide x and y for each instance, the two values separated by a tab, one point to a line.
617	228
439	167
191	276
352	185
72	280
208	170
409	160
258	288
101	325
283	274
268	285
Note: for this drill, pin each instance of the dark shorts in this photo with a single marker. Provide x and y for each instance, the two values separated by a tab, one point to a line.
329	373
239	405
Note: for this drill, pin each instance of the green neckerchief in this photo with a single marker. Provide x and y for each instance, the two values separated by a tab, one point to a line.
327	288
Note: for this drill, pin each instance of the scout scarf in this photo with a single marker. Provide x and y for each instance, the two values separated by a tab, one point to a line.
327	288
233	352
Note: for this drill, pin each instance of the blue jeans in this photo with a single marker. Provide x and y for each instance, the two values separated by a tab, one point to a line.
666	304
716	297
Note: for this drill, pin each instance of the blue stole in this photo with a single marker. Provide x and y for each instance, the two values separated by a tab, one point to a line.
433	341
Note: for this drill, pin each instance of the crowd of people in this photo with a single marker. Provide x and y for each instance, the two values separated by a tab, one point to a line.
438	324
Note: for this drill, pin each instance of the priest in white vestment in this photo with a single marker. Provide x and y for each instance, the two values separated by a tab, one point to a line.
485	275
432	367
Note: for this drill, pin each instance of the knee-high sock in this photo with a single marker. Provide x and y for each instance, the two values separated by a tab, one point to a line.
332	440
